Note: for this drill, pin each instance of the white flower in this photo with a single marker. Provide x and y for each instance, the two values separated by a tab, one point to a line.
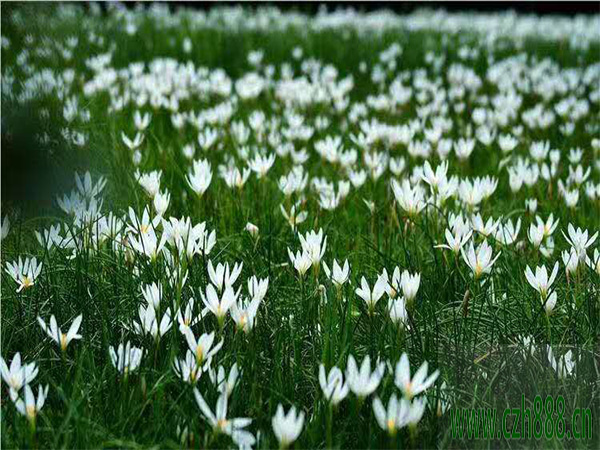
257	288
550	303
398	313
419	383
571	261
507	143
395	417
51	237
141	121
456	241
186	317
508	233
233	177
564	365
207	139
578	239
189	240
218	420
339	275
252	229
261	164
531	205
548	248
18	375
148	244
152	294
363	382
200	177
62	339
410	199
333	386
144	225
294	217
243	313
188	370
392	286
594	263
222	276
536	234
371	297
149	324
301	261
314	245
294	182
549	226
287	427
24	273
161	202
485	229
132	144
223	385
540	281
219	307
151	182
126	358
479	261
471	192
86	187
463	148
432	178
31	407
415	411
410	285
202	348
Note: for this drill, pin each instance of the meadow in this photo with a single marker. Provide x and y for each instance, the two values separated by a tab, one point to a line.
242	227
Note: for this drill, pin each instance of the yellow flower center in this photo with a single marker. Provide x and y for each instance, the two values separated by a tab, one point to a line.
199	354
63	341
408	389
222	424
30	409
391	424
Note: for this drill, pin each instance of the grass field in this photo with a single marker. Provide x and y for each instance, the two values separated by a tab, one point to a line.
210	218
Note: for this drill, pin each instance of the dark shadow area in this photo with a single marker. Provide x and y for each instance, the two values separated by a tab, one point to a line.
36	165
